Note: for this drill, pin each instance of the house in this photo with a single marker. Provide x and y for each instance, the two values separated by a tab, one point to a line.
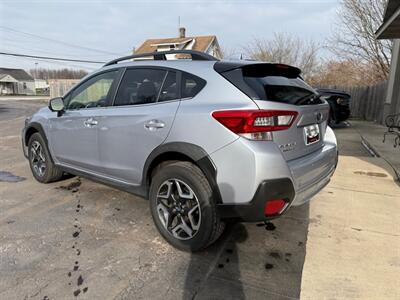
208	44
390	29
16	82
41	87
41	84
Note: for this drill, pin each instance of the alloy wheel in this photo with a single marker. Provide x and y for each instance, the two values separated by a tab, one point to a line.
178	209
38	158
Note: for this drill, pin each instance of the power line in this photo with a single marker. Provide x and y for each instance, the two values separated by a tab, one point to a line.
19	45
56	41
52	58
11	48
58	63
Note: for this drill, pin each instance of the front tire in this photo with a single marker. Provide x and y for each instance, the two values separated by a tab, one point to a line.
40	161
183	208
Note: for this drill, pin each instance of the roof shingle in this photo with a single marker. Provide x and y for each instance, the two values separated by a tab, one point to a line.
202	43
18	74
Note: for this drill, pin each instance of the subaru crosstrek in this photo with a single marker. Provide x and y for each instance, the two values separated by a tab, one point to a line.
204	140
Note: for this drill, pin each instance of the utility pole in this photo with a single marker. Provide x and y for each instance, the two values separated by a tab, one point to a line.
36	72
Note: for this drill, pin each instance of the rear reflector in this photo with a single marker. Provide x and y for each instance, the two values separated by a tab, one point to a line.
273	207
255	124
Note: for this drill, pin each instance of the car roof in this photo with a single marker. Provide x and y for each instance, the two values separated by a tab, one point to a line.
177	63
198	60
201	68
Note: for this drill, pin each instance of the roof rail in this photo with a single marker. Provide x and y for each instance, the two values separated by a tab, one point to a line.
196	55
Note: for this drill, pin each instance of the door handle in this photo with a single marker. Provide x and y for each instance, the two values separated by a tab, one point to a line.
90	122
154	124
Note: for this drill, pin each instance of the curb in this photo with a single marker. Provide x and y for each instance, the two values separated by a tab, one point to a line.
375	153
372	151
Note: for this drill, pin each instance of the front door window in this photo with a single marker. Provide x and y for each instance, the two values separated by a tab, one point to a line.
93	93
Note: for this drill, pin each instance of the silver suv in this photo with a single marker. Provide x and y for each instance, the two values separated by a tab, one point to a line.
204	140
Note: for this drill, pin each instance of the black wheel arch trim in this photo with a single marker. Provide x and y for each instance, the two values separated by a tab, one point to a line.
195	153
39	128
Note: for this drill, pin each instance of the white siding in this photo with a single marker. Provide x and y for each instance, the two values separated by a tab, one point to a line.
26	88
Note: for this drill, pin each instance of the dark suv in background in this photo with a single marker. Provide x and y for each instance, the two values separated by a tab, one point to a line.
339	103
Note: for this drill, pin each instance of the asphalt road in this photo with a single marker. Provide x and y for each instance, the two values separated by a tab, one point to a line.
79	239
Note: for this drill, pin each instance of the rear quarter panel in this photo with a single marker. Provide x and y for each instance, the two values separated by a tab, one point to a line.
194	123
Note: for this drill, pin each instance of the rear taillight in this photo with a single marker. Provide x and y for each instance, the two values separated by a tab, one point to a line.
255	124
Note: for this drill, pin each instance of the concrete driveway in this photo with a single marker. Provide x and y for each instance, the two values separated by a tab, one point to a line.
78	239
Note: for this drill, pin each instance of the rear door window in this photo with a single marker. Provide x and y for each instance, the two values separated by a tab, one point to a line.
169	89
140	86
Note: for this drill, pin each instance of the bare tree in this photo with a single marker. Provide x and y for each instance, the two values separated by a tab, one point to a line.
340	74
42	73
354	39
229	53
287	49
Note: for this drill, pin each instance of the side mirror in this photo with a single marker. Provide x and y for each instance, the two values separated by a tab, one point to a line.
57	105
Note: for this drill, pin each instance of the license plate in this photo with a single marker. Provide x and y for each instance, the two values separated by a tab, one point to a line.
311	133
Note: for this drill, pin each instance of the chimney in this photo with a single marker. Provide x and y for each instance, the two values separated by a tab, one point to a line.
182	32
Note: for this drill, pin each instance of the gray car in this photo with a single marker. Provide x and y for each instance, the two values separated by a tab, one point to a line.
204	140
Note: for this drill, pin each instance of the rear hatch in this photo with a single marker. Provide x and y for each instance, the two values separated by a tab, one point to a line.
280	87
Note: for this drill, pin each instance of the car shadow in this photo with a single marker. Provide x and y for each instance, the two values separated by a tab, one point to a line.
252	261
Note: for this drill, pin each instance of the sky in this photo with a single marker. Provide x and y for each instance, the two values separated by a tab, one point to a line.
101	30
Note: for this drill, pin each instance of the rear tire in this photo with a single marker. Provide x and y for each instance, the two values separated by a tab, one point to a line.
183	208
42	166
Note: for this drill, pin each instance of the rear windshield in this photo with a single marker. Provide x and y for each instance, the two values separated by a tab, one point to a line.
279	88
268	83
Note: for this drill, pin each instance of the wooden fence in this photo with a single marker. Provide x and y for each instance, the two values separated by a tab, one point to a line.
367	102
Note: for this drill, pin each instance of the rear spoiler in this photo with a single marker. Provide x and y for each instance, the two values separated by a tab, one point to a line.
258	69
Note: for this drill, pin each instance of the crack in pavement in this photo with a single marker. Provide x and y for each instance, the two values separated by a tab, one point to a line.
375	231
358	191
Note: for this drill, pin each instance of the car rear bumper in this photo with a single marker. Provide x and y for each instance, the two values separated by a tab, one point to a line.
254	210
326	164
293	194
261	176
312	173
